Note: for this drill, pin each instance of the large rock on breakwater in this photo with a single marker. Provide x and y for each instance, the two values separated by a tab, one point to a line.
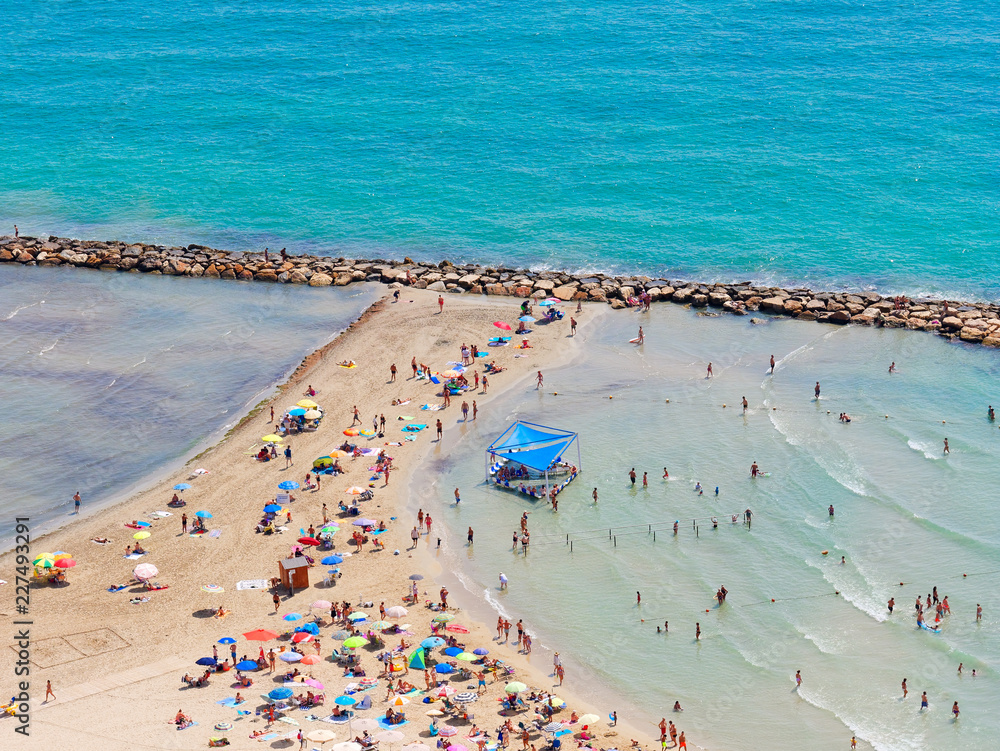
974	323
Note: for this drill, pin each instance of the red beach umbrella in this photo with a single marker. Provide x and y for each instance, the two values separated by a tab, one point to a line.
308	541
502	325
65	563
302	636
260	634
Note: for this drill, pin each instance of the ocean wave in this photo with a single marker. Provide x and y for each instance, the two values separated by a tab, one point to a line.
20	308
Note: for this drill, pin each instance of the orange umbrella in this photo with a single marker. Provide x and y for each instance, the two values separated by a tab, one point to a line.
310	660
261	634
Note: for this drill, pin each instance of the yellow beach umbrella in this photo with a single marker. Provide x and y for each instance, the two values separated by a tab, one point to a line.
307	404
60	556
44	558
140	535
338	454
272	438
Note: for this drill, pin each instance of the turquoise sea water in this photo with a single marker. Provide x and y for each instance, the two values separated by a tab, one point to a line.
904	513
833	143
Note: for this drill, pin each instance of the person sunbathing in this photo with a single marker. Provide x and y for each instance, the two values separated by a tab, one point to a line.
257	734
221	612
181	718
102	540
139	549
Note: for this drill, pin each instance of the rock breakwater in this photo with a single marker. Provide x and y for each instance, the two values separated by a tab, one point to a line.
963	321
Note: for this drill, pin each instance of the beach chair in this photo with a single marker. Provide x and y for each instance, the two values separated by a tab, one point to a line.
282	498
365	703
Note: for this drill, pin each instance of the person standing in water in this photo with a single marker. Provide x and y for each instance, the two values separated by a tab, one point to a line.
641	338
905	690
754	470
892	367
631	476
817	389
595	495
709	371
772	364
946	449
746	404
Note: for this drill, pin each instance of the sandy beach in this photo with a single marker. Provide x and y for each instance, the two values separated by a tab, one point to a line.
115	666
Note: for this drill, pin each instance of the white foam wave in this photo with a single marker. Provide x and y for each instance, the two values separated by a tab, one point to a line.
49	348
924	448
19	309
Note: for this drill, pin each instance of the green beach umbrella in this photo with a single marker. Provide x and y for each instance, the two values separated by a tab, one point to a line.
355	641
465	656
444	618
417	660
515	687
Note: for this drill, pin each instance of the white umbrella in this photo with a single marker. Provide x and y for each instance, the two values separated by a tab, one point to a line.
466	697
589	719
399	701
396	611
389	736
347	746
321	736
290	656
416	747
365	724
145	571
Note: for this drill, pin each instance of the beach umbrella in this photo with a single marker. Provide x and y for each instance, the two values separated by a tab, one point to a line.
447	731
443	668
307	404
457	747
313	414
358	617
345	701
289	657
452	651
140	535
466	697
308	541
145	571
443	618
44	558
515	687
417	746
364	522
366	724
457	628
416	577
480	651
310	660
341	635
291	617
339	453
272	508
417	660
396	611
321	736
502	325
453	373
431	642
399	701
434	713
297	412
321	605
331	560
354	490
280	693
347	746
465	657
366	433
245	665
212	588
556	703
589	719
203	514
65	563
227	640
527	319
554	727
60	554
260	634
207	661
390	736
272	438
314	683
355	641
302	636
182	486
288	485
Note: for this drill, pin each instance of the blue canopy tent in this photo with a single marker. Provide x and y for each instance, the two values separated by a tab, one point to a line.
537	447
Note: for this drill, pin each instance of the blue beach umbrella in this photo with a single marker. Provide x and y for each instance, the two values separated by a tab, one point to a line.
182	486
431	642
272	508
480	651
288	485
246	665
345	701
526	319
280	693
548	303
292	617
452	651
331	560
207	661
203	514
443	668
227	640
297	412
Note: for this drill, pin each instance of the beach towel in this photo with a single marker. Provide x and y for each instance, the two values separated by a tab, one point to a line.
431	407
188	725
119	588
106	542
135	556
228	701
215	533
386	726
406	417
268	737
161	513
336	720
414	428
252	584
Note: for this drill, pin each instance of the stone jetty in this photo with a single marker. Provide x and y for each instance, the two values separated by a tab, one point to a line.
962	321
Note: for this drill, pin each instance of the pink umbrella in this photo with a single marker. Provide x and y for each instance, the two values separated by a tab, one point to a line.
502	325
65	563
445	691
457	628
447	731
314	683
457	747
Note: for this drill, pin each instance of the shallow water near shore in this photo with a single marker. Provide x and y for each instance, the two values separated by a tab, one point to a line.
904	512
108	378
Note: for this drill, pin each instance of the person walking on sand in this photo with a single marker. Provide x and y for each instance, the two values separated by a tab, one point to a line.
440	429
357	417
184	524
288	456
49	692
440	304
76	502
572	326
413	364
392	373
486	383
414	535
540	380
560	673
276	599
427	523
475	409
